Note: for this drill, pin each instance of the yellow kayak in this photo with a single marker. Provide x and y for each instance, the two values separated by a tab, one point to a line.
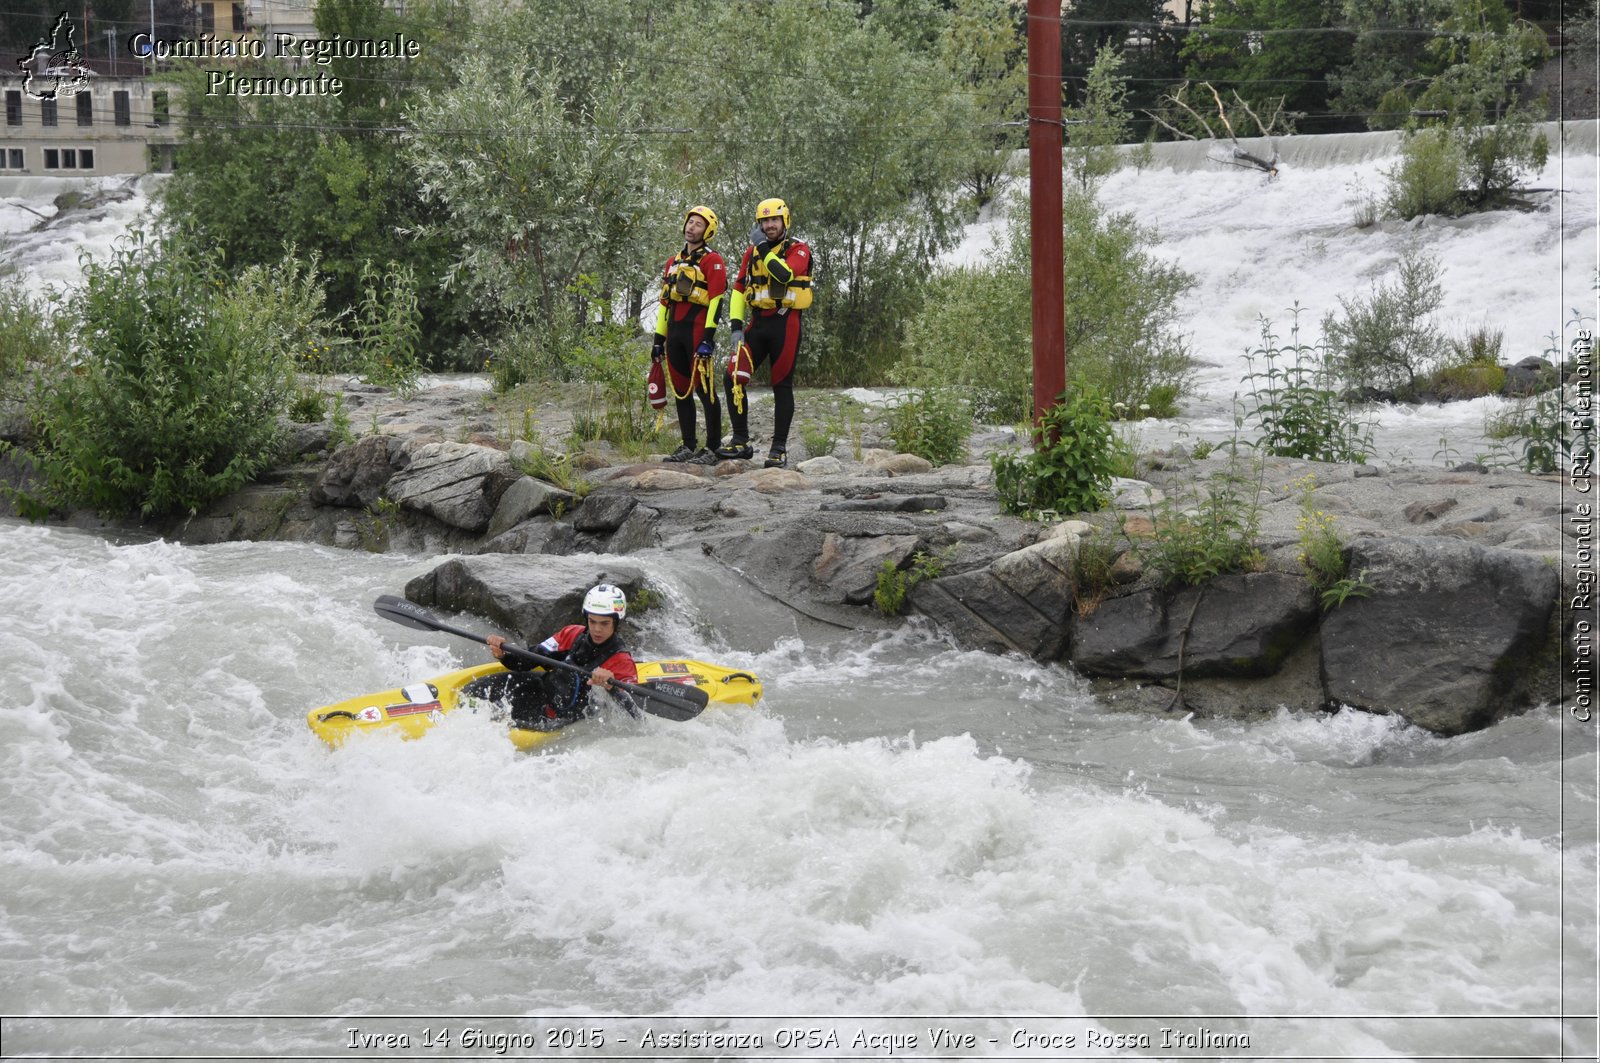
413	710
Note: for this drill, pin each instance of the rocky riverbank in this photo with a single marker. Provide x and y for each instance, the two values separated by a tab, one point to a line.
1458	616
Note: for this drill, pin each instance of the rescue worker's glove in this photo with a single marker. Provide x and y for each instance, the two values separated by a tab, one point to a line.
763	247
738	334
706	349
657	348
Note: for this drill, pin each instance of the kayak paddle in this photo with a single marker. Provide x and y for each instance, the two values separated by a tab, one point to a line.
682	702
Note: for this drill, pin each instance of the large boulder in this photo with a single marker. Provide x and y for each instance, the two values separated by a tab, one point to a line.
979	609
526	497
357	474
456	483
528	597
1446	635
1235	626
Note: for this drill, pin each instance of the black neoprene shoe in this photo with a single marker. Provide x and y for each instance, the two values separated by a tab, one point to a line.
682	454
704	457
777	458
736	449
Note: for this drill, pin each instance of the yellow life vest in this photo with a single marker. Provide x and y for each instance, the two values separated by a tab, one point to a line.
685	283
764	293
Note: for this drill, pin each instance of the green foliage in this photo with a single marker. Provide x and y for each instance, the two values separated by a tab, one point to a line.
1476	154
1296	405
895	584
611	365
1343	589
1120	302
1237	45
1094	573
1389	342
175	400
1195	540
327	169
933	423
1070	470
865	148
986	54
1427	179
1322	551
386	327
543	194
1552	428
1098	126
33	338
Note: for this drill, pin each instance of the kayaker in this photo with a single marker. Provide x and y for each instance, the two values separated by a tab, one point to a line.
555	697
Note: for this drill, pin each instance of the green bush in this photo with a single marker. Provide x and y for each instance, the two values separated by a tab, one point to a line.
1427	179
1388	341
1120	302
175	399
1296	404
1195	540
895	584
1072	468
933	423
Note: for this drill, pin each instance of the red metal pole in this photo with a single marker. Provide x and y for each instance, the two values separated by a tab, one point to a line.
1044	192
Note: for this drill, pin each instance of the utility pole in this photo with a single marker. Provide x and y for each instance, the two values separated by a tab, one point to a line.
1044	192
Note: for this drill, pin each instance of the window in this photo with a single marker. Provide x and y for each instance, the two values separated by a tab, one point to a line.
208	18
239	23
52	159
16	159
119	104
85	108
69	159
13	107
47	112
158	108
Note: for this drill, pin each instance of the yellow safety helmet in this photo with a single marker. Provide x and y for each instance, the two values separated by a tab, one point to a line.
773	208
710	217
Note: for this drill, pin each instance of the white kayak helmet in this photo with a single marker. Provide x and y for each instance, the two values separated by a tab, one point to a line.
606	600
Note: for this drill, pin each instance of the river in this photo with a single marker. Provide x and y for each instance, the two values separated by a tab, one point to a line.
905	838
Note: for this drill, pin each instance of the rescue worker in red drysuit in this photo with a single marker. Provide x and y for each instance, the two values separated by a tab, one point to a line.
556	697
771	289
692	286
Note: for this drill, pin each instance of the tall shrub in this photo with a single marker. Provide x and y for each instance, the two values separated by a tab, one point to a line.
173	402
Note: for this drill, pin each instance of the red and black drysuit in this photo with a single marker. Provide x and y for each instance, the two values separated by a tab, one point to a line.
692	285
772	332
555	697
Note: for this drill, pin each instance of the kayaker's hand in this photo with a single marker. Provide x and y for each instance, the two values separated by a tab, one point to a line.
496	645
601	678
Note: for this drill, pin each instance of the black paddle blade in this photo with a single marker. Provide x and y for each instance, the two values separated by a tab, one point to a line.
669	700
403	612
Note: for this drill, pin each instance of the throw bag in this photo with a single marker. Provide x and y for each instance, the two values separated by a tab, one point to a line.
656	386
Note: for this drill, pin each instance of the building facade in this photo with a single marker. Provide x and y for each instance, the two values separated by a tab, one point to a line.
118	125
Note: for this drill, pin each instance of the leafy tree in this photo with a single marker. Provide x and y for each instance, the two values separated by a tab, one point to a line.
543	192
1266	49
1389	55
865	139
1121	300
1143	32
256	172
1101	123
985	50
174	401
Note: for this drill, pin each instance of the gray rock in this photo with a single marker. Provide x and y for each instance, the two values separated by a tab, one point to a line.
848	565
603	511
637	532
1242	625
826	465
526	497
357	474
891	504
540	535
981	611
456	483
1445	636
526	597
